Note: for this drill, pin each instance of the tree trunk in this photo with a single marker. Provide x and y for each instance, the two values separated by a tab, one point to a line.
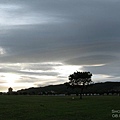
80	96
81	92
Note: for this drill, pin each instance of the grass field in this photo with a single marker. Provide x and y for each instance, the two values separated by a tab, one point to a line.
58	107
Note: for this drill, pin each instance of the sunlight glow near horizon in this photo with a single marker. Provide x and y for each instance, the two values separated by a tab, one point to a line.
10	79
21	80
66	70
58	74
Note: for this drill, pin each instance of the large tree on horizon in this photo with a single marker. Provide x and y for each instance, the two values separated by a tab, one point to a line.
79	80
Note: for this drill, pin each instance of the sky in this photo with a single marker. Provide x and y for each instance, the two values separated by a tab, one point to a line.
42	42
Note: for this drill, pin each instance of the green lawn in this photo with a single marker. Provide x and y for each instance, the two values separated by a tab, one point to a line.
58	107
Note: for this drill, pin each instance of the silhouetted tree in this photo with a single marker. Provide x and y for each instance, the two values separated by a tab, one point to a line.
10	91
80	80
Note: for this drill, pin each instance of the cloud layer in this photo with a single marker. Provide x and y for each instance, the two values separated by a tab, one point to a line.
36	37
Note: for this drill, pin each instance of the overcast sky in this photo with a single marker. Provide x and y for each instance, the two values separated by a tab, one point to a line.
42	42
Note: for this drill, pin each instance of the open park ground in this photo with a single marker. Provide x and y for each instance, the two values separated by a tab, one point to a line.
59	108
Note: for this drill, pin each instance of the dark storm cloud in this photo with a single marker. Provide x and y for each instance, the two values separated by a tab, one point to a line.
82	23
108	69
92	60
